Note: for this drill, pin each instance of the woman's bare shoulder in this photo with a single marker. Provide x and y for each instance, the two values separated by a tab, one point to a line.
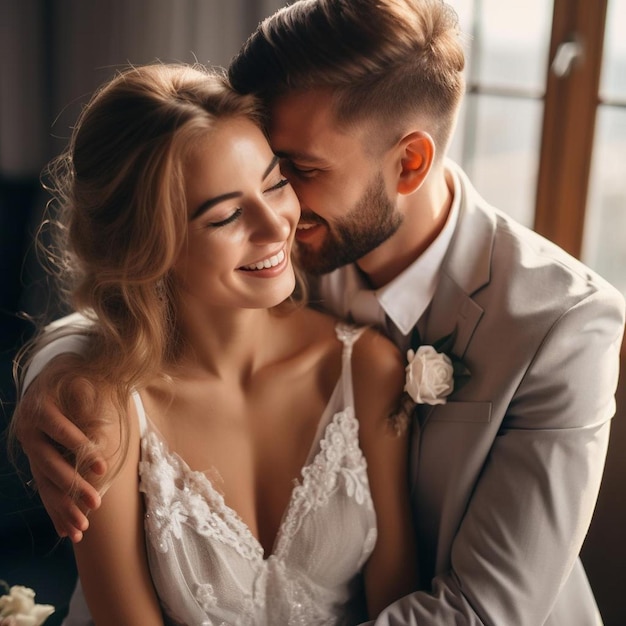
376	357
372	348
378	373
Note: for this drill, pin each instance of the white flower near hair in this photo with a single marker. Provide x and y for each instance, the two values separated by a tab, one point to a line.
429	376
18	608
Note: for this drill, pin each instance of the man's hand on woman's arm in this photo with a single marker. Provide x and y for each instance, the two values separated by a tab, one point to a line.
48	439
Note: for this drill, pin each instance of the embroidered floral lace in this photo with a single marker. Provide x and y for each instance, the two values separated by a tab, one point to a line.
209	569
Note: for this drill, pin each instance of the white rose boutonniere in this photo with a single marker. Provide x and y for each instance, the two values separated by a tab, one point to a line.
431	374
18	608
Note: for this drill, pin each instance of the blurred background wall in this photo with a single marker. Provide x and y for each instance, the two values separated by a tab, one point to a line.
542	134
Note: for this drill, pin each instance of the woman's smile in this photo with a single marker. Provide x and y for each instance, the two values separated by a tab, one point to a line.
269	266
270	261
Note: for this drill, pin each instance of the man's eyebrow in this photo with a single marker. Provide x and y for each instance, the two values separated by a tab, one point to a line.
298	156
211	202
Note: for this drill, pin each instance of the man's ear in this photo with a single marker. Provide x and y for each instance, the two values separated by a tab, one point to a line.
417	151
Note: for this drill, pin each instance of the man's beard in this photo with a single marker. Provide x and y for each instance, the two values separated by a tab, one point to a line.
371	222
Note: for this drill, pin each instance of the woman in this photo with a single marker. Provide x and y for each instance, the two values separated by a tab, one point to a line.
268	482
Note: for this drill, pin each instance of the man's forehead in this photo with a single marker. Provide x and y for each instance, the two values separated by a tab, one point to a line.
303	126
298	141
311	110
320	150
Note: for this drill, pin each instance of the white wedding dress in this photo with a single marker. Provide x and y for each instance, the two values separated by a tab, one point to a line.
208	568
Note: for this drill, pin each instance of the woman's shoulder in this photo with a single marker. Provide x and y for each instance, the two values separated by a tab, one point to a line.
377	360
378	380
322	327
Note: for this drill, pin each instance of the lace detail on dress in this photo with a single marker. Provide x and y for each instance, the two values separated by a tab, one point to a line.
178	495
176	492
340	457
205	595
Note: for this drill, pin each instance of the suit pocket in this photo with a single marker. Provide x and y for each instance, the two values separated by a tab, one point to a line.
471	412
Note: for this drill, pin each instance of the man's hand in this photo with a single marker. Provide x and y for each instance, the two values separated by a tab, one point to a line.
48	438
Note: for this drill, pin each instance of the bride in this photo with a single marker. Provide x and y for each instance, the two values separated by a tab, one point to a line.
257	475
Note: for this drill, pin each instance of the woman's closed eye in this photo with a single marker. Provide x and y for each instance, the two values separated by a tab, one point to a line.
234	215
283	182
226	220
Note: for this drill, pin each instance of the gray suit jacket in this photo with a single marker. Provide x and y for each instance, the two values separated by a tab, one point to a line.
506	474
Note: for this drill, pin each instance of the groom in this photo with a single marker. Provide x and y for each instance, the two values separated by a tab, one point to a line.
362	99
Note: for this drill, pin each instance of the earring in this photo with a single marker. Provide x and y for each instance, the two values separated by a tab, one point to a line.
161	291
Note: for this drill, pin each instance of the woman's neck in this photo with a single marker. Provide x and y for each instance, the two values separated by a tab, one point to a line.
225	343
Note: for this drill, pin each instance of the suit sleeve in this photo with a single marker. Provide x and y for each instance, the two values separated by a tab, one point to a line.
531	507
64	344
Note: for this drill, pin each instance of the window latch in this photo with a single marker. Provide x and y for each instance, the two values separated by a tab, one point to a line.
567	54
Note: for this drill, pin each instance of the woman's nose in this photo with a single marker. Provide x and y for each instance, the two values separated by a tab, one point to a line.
270	224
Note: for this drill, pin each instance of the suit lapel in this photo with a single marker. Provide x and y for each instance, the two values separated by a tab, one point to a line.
452	310
466	269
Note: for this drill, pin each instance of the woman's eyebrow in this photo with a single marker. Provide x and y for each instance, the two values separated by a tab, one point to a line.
270	167
211	202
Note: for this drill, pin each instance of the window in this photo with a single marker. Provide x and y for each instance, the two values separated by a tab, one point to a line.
499	131
603	245
545	140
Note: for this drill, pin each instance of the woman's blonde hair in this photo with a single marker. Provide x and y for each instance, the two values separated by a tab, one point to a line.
122	222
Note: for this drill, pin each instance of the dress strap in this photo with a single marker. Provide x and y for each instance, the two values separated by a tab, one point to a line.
141	413
342	397
348	335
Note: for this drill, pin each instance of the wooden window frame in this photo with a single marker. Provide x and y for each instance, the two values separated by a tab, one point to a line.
567	136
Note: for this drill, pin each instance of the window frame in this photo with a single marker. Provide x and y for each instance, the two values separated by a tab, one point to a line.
567	136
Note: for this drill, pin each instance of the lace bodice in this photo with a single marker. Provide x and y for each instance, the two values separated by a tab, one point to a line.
209	569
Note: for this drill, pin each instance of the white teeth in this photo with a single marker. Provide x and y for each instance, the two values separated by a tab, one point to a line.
305	226
273	261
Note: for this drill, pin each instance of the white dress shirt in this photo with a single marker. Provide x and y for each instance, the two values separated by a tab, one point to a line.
396	307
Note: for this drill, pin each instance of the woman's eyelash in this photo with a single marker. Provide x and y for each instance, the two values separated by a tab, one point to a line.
235	215
231	218
281	183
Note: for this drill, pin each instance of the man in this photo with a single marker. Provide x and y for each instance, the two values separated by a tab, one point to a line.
362	99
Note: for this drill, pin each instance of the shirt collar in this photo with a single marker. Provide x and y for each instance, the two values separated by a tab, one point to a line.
407	296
